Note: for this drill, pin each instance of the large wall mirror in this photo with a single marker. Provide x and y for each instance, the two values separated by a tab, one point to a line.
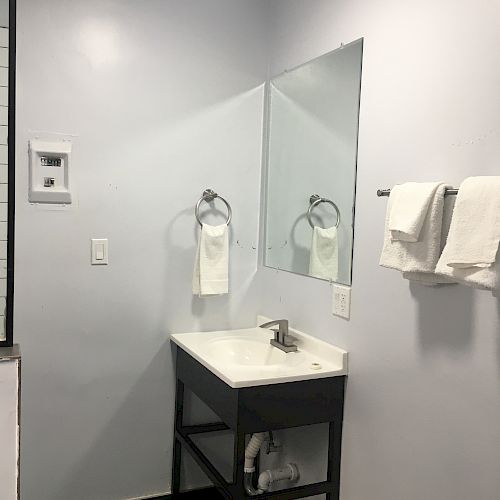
7	171
311	165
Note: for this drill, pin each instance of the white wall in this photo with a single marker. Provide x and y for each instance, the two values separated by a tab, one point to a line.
165	99
422	417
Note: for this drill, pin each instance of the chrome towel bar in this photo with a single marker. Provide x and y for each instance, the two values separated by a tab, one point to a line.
314	201
208	196
387	192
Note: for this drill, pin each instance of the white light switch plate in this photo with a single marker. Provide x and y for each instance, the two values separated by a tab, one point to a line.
341	303
99	252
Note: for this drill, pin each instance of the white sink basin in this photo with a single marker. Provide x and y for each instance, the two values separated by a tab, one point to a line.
244	358
250	349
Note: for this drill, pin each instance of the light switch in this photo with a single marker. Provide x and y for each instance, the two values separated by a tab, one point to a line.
99	252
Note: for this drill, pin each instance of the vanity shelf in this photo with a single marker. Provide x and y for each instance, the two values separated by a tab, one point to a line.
247	410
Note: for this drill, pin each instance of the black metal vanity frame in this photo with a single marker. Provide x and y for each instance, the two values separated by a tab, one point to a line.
257	409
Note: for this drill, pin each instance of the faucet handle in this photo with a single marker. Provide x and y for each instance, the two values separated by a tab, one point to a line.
282	325
281	340
288	340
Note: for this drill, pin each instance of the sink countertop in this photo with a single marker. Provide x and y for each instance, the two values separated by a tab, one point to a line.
244	357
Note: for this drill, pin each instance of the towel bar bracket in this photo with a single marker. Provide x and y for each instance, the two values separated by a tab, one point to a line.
314	201
209	195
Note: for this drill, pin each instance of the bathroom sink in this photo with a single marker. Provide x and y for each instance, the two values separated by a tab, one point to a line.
248	348
245	358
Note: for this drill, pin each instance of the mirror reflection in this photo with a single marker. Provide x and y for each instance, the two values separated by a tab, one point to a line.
311	165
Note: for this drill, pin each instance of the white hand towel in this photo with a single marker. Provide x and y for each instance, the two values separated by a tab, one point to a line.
210	276
324	254
410	203
420	256
474	235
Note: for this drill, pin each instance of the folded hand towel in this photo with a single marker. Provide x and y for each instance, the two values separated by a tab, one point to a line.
410	204
324	255
420	256
471	252
210	276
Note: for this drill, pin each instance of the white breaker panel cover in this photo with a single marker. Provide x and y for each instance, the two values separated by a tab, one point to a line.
49	172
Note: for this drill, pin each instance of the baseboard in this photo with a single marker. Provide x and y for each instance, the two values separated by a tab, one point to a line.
205	493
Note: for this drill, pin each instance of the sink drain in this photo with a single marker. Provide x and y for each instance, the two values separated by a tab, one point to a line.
315	366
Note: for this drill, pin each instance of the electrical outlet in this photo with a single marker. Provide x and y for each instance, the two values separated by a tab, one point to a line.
341	301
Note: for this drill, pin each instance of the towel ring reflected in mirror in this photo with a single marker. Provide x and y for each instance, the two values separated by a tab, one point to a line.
208	196
314	201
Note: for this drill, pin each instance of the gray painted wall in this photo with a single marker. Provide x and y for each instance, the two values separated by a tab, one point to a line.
422	417
165	99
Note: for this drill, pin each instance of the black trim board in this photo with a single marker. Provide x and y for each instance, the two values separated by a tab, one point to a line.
11	142
205	493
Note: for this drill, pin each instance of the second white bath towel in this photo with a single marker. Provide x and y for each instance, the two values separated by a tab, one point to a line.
471	252
324	256
211	275
476	224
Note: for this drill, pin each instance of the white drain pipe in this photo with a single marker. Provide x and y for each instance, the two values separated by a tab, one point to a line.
252	450
269	477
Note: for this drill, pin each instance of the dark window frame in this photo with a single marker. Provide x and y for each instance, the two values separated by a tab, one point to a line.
11	142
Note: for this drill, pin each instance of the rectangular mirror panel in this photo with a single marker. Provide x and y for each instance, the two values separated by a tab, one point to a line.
312	150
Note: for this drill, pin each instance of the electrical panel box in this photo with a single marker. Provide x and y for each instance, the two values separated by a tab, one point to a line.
49	172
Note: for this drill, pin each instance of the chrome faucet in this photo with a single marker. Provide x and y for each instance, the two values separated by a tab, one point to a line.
281	339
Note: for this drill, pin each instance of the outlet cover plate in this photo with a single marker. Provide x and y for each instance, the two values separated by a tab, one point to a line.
341	301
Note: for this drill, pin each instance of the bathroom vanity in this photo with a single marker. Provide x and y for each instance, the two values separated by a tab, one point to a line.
254	387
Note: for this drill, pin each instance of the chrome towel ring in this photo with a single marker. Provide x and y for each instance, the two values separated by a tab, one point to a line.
315	200
208	196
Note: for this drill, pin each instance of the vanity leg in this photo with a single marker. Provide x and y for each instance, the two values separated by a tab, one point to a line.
239	465
334	449
176	459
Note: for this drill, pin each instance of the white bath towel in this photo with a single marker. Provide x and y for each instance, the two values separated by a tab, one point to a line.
210	276
324	254
431	279
471	252
410	205
483	278
476	224
420	256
